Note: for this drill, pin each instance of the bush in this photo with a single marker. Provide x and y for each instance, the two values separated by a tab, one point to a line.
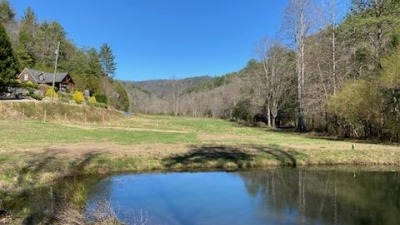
242	111
31	90
15	83
359	105
30	84
36	96
92	100
102	99
51	93
78	97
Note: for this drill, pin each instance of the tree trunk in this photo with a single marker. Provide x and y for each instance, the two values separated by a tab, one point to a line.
274	113
334	78
380	47
302	199
273	119
300	92
269	114
301	67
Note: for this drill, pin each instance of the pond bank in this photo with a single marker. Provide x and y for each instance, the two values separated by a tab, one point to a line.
53	175
38	157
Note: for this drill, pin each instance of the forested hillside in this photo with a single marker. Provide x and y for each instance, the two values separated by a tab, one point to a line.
331	69
156	96
339	73
34	45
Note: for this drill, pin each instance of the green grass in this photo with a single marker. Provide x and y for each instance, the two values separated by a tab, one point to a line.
187	124
147	129
34	133
21	134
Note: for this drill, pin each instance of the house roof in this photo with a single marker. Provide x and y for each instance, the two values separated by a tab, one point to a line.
47	77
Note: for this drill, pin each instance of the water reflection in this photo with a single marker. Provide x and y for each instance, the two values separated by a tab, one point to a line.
280	196
327	197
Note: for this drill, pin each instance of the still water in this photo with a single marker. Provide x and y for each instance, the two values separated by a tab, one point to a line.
278	196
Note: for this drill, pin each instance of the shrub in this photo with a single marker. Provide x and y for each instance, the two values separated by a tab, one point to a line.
92	100
78	97
31	90
242	111
36	96
30	84
359	104
356	101
51	93
15	83
101	99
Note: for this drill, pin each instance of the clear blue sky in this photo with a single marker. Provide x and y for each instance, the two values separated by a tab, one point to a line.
157	39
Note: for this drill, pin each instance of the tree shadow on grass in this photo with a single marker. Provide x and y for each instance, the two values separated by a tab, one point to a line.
43	202
220	156
49	162
284	157
208	156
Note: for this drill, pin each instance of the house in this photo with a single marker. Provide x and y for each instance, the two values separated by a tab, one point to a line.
62	81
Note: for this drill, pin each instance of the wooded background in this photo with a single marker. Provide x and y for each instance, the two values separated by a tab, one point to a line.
34	45
331	69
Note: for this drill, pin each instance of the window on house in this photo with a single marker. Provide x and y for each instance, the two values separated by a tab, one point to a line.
26	78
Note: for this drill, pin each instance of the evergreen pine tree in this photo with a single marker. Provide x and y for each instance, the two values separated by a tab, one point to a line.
7	14
26	39
8	61
107	62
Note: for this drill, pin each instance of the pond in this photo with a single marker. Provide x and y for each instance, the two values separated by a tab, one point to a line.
276	196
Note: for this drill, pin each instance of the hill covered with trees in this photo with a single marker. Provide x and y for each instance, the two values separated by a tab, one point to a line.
332	70
338	74
34	45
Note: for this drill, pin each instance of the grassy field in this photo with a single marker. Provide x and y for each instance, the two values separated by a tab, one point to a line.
145	142
36	155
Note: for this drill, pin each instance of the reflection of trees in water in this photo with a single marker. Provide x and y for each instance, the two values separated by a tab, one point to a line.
330	197
302	197
98	197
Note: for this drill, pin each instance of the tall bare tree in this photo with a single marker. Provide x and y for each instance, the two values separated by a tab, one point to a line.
276	77
333	17
299	24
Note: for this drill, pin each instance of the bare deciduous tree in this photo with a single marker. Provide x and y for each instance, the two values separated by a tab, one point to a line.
299	23
276	76
298	26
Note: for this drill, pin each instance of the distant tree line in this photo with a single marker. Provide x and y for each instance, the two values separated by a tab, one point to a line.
34	45
338	74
